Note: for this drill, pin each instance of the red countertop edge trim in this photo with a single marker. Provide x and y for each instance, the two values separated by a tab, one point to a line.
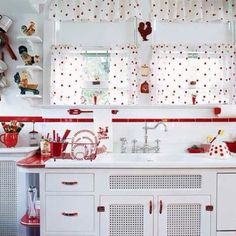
36	161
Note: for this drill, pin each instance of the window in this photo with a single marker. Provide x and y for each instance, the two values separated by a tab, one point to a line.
93	77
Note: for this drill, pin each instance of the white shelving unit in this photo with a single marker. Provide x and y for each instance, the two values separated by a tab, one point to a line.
32	99
30	39
31	68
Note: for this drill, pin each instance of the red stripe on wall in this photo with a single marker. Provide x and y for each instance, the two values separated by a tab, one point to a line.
115	120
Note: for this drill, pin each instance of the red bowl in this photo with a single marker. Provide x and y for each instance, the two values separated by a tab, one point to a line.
195	150
231	146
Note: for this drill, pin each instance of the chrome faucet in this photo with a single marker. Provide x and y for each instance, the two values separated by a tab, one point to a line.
146	148
123	147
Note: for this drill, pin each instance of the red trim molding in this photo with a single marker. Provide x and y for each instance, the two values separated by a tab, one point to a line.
115	120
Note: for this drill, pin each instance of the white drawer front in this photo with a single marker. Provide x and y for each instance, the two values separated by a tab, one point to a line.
70	182
232	233
70	213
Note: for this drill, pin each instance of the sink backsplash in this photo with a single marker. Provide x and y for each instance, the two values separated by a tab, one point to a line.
179	136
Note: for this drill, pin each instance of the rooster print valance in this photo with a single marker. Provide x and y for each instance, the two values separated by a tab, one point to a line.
94	10
194	10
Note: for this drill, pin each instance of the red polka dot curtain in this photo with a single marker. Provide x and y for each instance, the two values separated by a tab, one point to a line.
183	74
94	10
77	79
194	10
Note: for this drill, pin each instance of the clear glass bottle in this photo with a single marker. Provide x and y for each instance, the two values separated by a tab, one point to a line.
32	198
33	137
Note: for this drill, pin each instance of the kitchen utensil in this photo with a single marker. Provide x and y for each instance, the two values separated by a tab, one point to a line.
5	22
56	149
3	66
9	139
4	42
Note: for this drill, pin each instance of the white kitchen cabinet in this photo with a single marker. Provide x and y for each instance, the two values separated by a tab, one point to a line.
126	216
184	216
70	214
125	202
226	202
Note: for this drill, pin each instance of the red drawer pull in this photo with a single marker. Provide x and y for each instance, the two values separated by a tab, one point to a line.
70	214
69	182
150	207
161	207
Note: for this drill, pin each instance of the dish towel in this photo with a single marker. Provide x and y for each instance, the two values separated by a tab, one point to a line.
102	120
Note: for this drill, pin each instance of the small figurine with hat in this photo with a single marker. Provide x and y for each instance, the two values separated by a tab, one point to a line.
28	59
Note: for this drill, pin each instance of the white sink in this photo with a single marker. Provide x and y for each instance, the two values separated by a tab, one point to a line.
142	160
18	152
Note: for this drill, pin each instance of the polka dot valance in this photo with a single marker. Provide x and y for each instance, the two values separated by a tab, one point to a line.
194	10
94	10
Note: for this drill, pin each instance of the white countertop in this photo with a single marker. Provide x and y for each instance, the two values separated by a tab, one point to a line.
152	160
17	153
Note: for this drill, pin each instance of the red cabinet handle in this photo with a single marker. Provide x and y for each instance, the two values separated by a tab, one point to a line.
150	207
70	214
69	183
161	207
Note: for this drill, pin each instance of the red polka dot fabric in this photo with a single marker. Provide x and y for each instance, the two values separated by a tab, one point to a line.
94	10
187	74
219	150
69	73
194	10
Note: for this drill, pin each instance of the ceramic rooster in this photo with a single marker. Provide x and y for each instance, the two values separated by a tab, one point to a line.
30	30
145	30
28	59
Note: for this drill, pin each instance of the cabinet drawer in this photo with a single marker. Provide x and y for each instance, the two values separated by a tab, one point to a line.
70	213
232	233
70	182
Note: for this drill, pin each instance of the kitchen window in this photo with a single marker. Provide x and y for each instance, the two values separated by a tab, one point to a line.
93	77
186	74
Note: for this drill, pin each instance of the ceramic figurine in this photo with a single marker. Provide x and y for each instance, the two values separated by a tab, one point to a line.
22	80
145	30
28	59
144	88
30	30
145	70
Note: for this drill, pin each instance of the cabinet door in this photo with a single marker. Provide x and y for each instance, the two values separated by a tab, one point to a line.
127	216
226	202
183	216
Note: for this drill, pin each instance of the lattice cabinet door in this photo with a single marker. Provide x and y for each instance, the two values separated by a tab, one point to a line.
126	216
8	198
184	216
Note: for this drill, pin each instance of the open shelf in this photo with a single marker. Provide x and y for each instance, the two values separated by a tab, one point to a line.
32	39
26	221
32	99
33	67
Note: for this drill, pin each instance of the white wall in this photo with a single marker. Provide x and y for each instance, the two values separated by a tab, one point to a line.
107	34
